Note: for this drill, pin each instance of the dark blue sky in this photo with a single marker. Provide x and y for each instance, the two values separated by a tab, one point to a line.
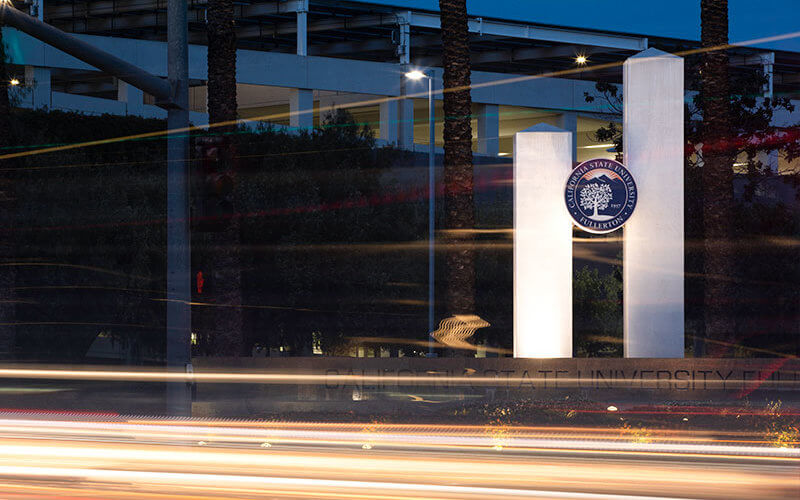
749	19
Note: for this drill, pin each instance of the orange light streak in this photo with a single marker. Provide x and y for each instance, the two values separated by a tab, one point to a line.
306	378
424	437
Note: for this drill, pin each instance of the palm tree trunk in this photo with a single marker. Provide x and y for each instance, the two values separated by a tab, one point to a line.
717	177
221	62
458	172
221	254
7	273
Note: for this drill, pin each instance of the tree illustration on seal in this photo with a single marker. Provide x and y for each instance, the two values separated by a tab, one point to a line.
595	197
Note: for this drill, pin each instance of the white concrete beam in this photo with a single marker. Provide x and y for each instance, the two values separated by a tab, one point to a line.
532	32
91	87
322	25
95	9
152	19
653	245
354	47
110	7
527	54
144	20
311	72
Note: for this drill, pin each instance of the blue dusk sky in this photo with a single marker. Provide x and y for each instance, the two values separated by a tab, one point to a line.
749	19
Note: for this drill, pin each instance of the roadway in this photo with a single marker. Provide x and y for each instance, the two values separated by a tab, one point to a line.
89	457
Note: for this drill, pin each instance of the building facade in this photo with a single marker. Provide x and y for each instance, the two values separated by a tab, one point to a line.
298	59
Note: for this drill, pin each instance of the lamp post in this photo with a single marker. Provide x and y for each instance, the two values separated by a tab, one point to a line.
179	314
418	75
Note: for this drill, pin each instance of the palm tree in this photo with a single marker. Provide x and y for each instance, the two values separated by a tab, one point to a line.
458	173
5	103
221	258
717	174
220	29
7	273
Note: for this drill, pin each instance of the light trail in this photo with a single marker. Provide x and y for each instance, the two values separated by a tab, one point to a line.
162	458
442	437
278	485
432	378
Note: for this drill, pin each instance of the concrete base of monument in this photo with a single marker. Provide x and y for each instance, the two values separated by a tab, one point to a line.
387	386
421	389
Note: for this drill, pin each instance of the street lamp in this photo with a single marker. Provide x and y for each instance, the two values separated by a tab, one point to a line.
419	75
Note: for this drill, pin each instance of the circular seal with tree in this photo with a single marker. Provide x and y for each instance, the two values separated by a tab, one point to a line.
600	195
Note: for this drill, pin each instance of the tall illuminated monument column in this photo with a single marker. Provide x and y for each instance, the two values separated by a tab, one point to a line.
653	262
542	243
653	267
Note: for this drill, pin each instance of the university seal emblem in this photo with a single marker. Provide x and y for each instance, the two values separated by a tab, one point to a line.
600	195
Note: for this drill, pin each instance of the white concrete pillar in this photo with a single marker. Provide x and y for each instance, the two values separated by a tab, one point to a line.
132	97
489	129
542	243
653	271
389	121
301	108
38	81
302	29
569	122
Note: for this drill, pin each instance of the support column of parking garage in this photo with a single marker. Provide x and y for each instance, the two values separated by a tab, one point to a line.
132	97
37	9
769	159
488	129
389	119
37	81
569	122
405	121
768	67
301	109
301	101
302	28
405	106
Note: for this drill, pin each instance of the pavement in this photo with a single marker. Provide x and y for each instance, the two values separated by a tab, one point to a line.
85	456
